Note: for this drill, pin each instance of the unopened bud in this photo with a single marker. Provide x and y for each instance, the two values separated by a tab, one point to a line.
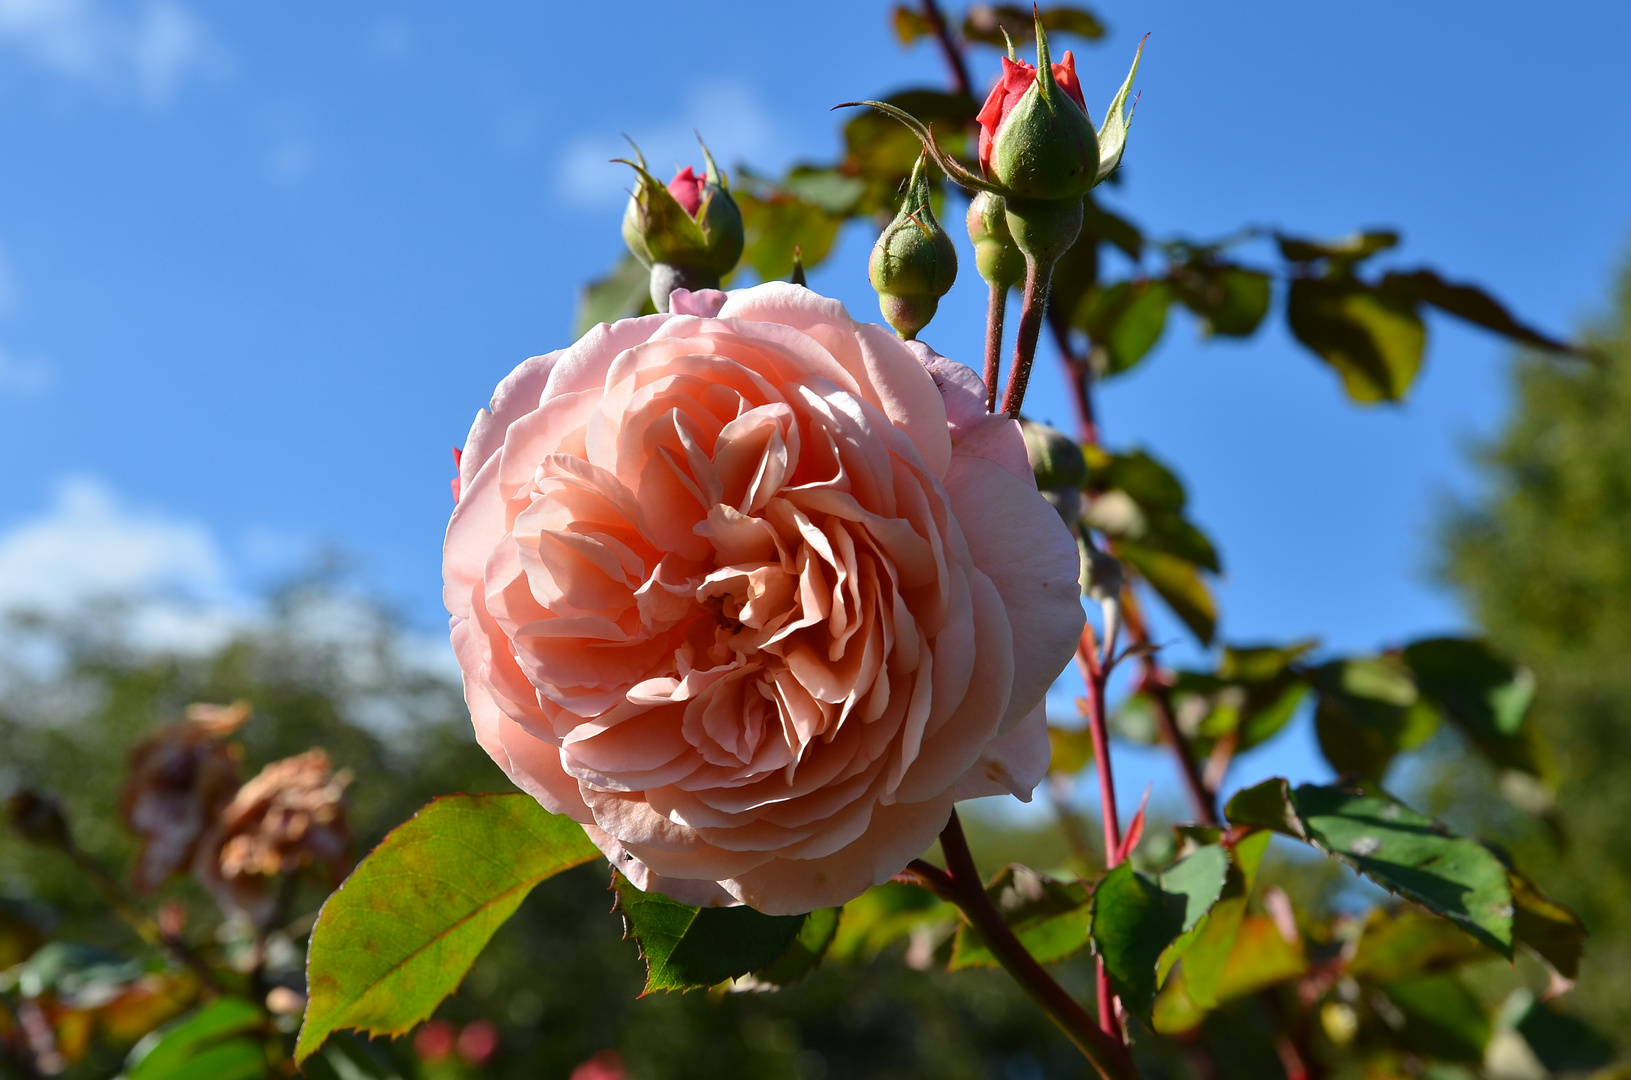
688	231
1036	138
914	262
997	258
1055	457
39	818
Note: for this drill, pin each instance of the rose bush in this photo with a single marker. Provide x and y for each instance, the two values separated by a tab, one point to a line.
755	592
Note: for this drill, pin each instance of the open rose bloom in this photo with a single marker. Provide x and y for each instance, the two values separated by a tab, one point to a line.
756	592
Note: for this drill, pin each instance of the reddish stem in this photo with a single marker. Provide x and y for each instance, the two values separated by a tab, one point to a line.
948	47
1037	279
995	312
1094	675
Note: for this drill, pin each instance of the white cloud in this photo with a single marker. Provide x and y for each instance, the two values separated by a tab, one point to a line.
110	47
87	545
729	116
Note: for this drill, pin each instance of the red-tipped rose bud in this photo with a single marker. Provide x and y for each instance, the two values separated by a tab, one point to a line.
688	231
914	262
1035	135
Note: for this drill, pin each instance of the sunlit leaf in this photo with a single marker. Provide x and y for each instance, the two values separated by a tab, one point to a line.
687	948
1178	582
1405	943
1368	713
403	930
1259	957
883	915
1374	340
1484	695
986	23
1466	302
625	291
1395	847
1136	916
1230	300
908	24
1125	320
1051	918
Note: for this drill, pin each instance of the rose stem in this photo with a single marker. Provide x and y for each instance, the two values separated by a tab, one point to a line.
1094	675
949	48
995	312
1154	679
962	886
1038	276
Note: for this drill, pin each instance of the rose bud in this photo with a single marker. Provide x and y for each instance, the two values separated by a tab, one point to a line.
179	778
289	817
1035	135
999	261
914	262
688	232
756	593
1056	459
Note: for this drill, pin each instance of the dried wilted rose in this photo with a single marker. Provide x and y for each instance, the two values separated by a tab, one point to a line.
180	779
289	817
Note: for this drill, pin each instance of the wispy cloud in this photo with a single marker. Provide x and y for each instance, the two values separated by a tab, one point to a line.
729	115
149	49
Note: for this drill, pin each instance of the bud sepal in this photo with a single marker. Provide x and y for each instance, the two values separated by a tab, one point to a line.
914	262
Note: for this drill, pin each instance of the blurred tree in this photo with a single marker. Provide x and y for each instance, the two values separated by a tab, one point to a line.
1543	560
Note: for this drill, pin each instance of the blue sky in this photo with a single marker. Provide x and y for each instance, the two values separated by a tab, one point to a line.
260	264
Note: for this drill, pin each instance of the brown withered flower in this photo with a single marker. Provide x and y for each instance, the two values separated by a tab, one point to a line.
180	778
290	817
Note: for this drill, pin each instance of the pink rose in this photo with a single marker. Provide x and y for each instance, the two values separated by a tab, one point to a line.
756	592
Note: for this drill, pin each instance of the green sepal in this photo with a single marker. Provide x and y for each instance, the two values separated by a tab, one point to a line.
1117	120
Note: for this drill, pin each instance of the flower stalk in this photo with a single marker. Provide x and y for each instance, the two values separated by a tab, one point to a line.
960	884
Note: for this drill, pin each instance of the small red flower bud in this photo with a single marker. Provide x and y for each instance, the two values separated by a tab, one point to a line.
434	1041
478	1042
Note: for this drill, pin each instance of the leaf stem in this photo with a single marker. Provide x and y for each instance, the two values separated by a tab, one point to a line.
962	886
1038	276
1094	674
996	311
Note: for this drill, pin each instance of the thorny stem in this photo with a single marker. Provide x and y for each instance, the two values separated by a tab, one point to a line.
1038	276
996	310
960	884
1095	675
1154	678
949	48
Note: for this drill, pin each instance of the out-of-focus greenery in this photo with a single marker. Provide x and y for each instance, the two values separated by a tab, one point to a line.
1543	561
558	979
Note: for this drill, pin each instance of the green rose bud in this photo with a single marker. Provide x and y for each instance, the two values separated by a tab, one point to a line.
1056	458
688	231
999	261
914	262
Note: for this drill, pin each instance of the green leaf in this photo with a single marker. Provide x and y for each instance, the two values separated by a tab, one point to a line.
687	948
885	914
224	1040
1561	1043
1466	302
1125	320
1442	1019
804	955
1395	847
882	150
1406	942
1547	928
403	930
1345	251
1482	694
1176	581
908	24
1230	300
1051	918
1373	339
1204	951
624	291
1368	713
986	22
1258	958
1136	916
774	223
